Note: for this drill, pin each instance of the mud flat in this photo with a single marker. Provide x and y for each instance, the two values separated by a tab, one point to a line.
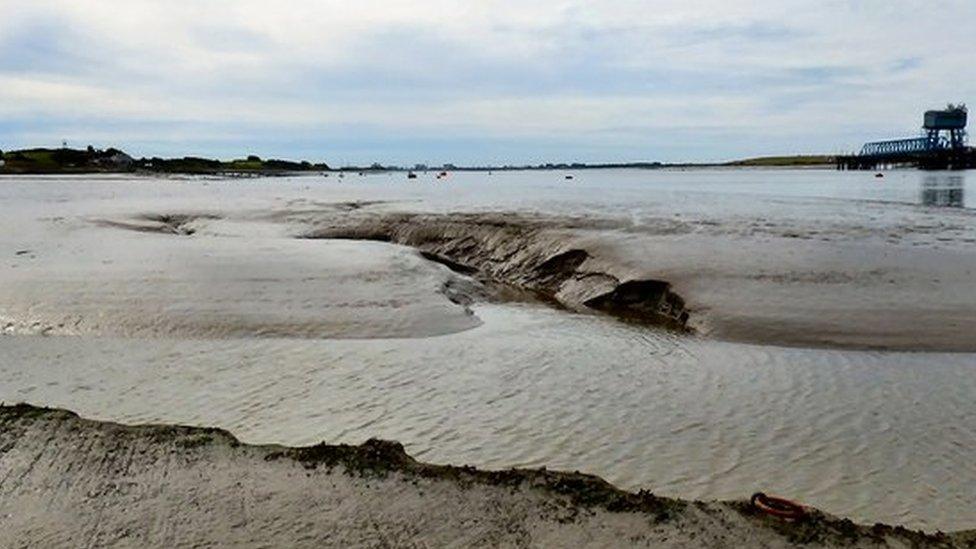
68	481
204	302
777	270
532	255
785	285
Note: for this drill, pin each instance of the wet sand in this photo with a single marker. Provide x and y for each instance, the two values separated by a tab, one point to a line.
293	311
795	290
866	275
862	294
71	481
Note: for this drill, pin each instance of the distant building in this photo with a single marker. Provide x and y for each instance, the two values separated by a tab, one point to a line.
114	159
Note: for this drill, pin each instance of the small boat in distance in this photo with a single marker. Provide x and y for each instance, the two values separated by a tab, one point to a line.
411	175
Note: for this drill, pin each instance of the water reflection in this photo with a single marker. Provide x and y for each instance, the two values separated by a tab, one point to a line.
943	190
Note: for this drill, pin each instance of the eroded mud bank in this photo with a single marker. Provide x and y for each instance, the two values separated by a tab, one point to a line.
542	257
71	481
177	224
728	279
721	280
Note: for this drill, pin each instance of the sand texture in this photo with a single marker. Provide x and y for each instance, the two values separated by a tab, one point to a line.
71	482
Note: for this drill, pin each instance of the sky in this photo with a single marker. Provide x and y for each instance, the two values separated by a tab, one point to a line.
479	81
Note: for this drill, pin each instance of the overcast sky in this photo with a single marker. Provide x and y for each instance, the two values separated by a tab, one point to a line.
479	81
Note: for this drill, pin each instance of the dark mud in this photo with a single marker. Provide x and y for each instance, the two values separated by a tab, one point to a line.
175	224
137	476
536	256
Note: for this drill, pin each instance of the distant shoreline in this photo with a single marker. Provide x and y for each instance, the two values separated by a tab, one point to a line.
42	161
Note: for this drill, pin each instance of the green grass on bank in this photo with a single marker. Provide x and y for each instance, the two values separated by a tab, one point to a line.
65	160
45	160
785	161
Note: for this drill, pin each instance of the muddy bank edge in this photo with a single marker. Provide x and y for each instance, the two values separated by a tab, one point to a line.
68	481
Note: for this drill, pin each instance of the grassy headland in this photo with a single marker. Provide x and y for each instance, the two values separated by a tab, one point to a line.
785	161
91	160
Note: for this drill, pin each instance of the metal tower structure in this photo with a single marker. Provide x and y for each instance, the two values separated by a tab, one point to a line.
943	130
952	120
941	145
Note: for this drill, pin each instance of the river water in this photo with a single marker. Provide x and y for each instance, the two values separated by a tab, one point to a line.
241	325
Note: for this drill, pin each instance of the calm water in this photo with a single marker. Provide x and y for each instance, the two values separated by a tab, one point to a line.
280	340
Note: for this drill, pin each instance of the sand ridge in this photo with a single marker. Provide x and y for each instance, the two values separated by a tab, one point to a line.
73	482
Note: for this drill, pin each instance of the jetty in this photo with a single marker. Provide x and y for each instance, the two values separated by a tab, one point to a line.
942	145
